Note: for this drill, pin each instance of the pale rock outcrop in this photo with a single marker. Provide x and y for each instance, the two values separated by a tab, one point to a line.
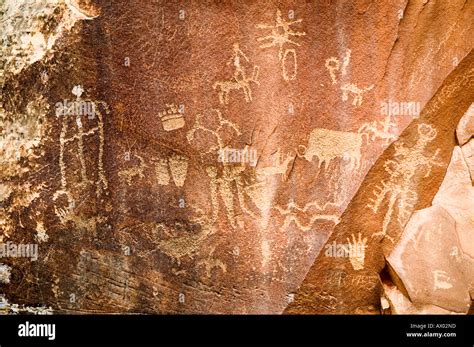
468	153
434	257
398	303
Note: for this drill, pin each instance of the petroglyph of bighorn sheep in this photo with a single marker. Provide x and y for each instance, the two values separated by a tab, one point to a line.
398	187
281	34
239	80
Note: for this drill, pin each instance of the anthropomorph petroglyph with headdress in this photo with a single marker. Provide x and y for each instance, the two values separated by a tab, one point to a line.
398	187
80	134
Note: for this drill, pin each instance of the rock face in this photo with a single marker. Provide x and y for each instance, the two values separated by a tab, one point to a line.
234	157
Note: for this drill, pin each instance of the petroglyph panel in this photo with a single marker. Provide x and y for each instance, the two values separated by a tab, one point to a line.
198	157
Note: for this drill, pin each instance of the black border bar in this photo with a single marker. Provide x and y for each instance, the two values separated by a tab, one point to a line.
242	329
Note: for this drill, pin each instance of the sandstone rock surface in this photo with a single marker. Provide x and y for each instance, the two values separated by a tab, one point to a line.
226	156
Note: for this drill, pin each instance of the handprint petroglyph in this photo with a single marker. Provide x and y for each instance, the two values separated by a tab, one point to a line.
356	250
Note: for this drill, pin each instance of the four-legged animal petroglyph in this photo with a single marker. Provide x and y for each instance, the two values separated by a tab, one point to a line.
239	80
281	34
350	88
311	212
280	168
397	188
328	145
138	171
334	66
374	131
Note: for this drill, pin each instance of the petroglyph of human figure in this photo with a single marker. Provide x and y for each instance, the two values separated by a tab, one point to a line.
240	79
230	180
101	183
335	68
225	186
398	187
304	217
217	133
281	35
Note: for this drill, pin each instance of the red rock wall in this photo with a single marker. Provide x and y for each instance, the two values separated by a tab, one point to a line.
129	200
